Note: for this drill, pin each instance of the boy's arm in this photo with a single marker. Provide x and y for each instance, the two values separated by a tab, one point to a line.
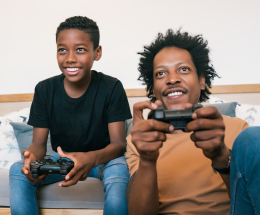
85	161
116	148
36	151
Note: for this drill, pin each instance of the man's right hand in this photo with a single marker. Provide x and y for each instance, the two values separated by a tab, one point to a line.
148	135
28	158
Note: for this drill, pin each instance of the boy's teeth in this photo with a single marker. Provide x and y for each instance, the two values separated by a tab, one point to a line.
174	94
72	69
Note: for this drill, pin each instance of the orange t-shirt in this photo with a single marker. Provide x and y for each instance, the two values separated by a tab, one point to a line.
186	181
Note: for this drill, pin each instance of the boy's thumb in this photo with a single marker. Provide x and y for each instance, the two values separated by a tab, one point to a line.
25	153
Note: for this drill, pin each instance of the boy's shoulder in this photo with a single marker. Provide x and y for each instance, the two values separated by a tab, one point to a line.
105	78
52	80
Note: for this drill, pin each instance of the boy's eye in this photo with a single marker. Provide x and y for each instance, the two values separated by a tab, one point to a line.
81	49
61	50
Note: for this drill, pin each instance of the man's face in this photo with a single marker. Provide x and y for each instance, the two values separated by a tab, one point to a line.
75	54
175	78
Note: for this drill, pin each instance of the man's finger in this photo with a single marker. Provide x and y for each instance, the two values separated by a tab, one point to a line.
26	153
206	135
152	136
205	124
153	125
64	154
209	112
139	107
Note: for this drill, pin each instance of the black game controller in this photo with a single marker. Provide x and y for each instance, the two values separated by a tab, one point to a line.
48	166
178	118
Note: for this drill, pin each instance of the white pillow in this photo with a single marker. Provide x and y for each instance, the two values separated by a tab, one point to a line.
9	150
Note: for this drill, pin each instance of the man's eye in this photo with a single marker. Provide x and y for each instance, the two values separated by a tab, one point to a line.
160	73
185	69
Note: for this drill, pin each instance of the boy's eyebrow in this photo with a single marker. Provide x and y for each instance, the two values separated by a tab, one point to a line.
79	44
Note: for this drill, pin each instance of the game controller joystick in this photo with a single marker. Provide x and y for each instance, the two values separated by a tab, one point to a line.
48	166
178	118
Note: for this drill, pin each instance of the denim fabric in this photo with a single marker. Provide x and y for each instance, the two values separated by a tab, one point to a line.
245	173
114	176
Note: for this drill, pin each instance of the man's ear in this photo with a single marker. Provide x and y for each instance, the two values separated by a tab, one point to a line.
202	82
98	53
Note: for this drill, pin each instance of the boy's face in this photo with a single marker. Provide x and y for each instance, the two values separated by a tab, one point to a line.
175	78
76	54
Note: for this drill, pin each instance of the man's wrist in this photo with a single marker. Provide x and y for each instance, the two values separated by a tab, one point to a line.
222	161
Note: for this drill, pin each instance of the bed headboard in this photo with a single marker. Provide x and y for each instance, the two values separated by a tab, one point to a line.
244	94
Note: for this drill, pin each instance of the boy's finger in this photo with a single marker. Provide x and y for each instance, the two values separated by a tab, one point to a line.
26	153
71	182
139	107
64	154
72	173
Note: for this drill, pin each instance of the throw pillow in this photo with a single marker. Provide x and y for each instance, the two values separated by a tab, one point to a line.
23	134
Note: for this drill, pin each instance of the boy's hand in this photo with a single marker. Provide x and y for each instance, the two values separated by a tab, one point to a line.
209	133
83	164
28	158
148	135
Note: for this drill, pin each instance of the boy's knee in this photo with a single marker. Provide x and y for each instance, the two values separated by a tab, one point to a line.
15	169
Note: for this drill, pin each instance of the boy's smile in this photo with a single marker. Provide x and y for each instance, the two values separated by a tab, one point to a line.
175	78
76	55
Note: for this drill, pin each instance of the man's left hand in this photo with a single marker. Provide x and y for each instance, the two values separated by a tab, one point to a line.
209	132
83	164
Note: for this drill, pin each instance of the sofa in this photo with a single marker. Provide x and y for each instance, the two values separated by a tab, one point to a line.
88	194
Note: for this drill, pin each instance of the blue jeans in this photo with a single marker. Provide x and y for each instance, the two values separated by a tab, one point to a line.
245	173
114	176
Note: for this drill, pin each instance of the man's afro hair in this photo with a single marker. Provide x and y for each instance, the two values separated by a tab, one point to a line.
195	45
81	23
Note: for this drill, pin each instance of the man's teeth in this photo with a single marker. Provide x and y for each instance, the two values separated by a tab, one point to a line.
72	69
174	94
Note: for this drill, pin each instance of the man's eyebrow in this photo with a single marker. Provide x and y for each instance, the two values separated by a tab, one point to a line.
164	65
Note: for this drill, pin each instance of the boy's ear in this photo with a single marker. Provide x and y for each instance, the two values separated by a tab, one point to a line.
98	53
202	82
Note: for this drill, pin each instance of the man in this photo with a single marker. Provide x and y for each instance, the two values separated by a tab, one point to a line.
171	170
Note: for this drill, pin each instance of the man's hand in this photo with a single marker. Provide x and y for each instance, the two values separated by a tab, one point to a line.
209	132
28	158
148	135
83	164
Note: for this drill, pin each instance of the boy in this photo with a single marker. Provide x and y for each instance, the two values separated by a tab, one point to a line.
84	111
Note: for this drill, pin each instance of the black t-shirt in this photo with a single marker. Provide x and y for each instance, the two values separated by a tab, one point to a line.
79	124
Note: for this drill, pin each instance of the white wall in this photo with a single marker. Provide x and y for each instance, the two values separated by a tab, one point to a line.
28	49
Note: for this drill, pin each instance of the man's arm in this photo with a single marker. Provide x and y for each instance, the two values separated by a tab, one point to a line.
148	137
208	134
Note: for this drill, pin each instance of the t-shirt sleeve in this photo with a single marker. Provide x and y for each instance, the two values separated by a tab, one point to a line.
38	113
118	106
132	156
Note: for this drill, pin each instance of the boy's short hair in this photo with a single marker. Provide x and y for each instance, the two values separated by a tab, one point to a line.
195	45
81	23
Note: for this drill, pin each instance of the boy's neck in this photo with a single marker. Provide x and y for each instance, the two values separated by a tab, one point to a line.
76	89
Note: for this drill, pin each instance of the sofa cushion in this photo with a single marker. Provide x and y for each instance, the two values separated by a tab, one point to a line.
85	194
227	109
23	134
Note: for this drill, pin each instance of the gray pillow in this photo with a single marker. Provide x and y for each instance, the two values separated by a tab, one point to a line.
23	134
227	109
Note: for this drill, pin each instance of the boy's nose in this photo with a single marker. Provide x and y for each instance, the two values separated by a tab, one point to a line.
71	58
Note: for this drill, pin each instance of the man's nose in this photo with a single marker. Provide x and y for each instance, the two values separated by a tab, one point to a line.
71	57
173	78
